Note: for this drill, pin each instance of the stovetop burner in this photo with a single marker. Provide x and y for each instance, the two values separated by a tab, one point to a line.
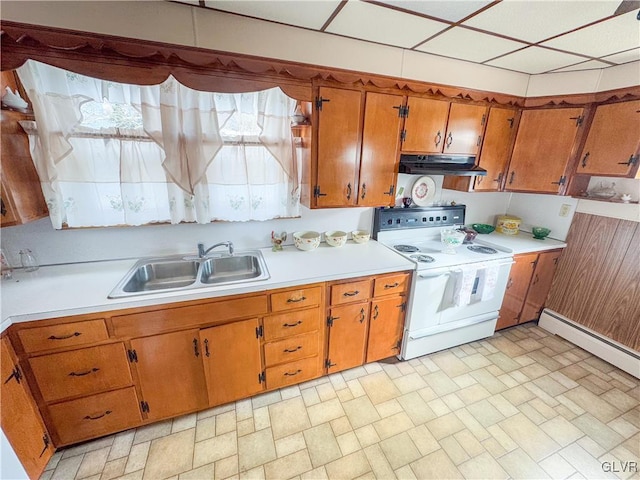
423	258
406	248
482	249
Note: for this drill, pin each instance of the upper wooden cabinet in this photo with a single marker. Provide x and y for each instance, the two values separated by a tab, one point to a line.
543	147
436	126
357	140
613	142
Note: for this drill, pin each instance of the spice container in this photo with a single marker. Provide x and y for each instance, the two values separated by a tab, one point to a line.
508	224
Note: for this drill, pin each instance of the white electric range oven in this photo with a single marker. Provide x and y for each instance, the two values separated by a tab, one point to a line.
455	298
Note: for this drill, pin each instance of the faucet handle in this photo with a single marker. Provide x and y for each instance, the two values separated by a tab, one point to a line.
230	248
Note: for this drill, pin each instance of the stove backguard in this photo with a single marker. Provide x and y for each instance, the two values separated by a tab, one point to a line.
393	219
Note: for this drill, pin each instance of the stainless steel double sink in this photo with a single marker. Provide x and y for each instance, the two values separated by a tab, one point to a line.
183	273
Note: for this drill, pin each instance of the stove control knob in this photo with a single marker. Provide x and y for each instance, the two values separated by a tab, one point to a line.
444	219
431	219
390	221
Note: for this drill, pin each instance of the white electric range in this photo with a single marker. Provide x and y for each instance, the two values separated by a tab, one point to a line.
454	298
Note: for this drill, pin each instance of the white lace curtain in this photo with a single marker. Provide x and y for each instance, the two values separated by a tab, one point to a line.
191	156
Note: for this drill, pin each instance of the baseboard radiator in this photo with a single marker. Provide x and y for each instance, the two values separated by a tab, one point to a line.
609	350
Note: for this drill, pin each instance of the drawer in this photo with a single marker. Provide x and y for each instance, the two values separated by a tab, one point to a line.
291	348
94	416
213	313
64	335
294	323
81	372
294	372
391	284
350	292
298	298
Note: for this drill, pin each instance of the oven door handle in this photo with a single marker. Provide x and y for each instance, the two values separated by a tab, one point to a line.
435	275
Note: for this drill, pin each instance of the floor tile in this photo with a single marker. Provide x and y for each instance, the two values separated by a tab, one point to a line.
379	387
288	466
68	468
450	364
348	443
290	444
444	426
533	440
170	455
583	462
399	450
256	449
562	431
351	466
121	445
390	426
113	468
137	457
598	431
216	448
322	445
200	473
361	411
454	450
519	465
289	417
482	467
324	412
436	465
593	404
380	466
93	463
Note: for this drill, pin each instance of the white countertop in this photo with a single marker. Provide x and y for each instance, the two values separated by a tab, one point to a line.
523	242
80	288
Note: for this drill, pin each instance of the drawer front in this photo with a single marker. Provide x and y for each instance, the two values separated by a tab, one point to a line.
65	335
294	372
299	298
391	284
290	349
214	313
94	416
294	323
350	292
81	372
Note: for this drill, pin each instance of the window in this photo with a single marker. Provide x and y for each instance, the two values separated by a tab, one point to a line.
118	154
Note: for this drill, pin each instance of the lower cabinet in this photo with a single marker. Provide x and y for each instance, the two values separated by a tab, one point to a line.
386	326
529	283
347	336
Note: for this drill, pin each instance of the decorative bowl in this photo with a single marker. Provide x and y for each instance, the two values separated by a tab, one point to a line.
360	236
336	238
483	228
451	239
307	240
540	233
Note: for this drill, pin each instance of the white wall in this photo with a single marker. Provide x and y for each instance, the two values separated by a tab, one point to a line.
538	210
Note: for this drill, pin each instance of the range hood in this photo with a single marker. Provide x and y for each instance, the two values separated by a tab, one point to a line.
440	165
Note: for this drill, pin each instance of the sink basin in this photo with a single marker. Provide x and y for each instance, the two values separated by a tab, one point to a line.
165	274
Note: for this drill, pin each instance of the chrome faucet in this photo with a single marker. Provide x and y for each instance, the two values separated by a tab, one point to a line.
202	252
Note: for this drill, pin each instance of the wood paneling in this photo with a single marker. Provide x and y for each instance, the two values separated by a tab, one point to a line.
597	280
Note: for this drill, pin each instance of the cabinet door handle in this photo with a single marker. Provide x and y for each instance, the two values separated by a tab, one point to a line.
348	191
3	209
287	374
292	350
584	159
513	174
195	347
510	283
82	374
449	140
376	312
438	138
393	285
535	279
206	348
89	417
364	191
361	315
632	161
74	334
499	179
296	300
289	325
351	294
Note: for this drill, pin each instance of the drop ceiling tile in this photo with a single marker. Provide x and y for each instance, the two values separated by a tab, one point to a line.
446	10
534	21
624	57
612	36
588	65
379	24
535	60
469	45
309	14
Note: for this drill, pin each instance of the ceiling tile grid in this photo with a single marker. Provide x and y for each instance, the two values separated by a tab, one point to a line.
526	36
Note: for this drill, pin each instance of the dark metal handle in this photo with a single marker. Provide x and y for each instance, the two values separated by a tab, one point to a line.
376	312
361	315
88	417
195	347
364	191
513	174
631	161
449	140
349	191
479	140
287	374
206	348
535	280
82	374
289	325
45	441
296	300
3	209
438	138
511	120
287	350
74	334
499	179
584	159
351	294
393	285
510	283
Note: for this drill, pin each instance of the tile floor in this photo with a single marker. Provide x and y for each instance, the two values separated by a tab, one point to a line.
522	404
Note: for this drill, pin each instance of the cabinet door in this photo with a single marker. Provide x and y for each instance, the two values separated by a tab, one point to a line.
338	147
425	125
540	285
380	142
170	373
517	286
347	336
385	327
496	146
613	140
20	419
464	129
232	362
542	150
